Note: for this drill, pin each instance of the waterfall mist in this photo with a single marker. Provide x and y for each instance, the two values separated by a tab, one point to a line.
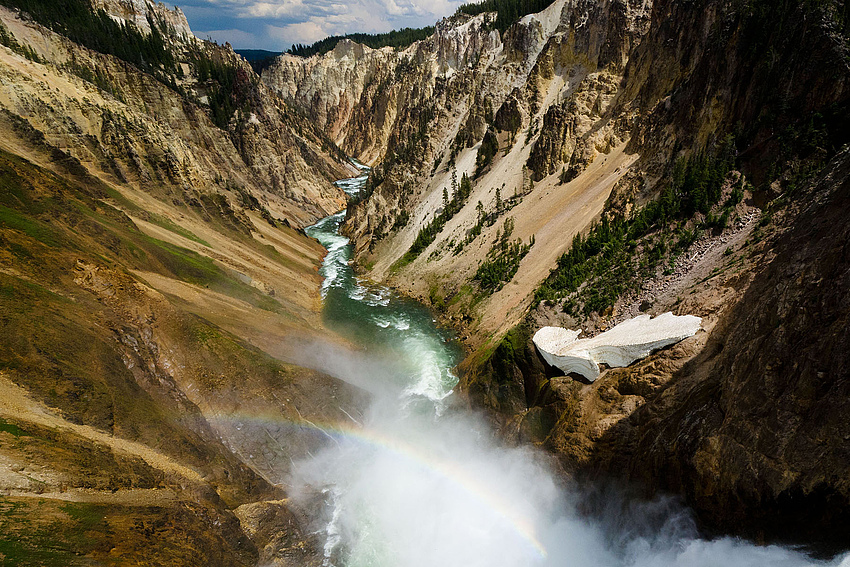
408	487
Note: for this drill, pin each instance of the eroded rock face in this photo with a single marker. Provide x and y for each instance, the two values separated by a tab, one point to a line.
134	129
364	97
745	419
417	109
150	395
712	68
627	342
140	403
279	535
137	12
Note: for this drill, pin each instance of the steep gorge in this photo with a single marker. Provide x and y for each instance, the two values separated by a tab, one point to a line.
159	293
600	108
428	109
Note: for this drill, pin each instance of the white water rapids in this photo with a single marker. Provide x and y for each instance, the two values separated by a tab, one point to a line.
416	482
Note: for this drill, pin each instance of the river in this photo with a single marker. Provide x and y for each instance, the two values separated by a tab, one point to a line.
415	481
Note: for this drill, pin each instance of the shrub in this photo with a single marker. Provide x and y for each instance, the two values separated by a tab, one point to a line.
507	11
76	20
486	152
428	233
502	261
399	39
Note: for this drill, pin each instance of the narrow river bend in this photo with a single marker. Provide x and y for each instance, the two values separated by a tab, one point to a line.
414	482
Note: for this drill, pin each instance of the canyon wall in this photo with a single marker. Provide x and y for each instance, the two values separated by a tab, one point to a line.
543	92
753	430
154	280
723	419
137	12
137	130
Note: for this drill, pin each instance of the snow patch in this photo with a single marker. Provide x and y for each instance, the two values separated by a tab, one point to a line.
627	342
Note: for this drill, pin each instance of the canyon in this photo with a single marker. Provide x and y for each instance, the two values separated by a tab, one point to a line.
500	150
167	367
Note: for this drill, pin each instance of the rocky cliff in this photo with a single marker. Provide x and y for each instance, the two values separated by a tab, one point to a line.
511	111
594	161
753	430
364	97
764	74
140	13
722	418
138	130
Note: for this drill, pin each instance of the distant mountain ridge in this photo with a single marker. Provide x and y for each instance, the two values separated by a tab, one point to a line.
258	58
256	54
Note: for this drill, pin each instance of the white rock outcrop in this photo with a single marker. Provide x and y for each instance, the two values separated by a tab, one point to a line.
627	342
136	12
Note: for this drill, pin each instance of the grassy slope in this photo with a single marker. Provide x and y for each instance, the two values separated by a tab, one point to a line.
88	355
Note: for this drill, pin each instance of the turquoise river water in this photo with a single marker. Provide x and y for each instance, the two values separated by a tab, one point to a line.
385	323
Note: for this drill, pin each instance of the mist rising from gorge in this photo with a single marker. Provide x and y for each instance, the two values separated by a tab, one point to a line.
409	486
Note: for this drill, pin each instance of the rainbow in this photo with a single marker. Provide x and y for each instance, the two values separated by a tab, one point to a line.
448	470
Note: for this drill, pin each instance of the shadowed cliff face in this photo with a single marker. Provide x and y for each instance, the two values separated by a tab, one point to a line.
754	430
762	72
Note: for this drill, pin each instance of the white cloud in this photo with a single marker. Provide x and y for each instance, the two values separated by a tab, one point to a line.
305	9
275	24
301	32
292	8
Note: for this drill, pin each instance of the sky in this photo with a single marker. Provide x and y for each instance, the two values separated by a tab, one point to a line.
276	24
